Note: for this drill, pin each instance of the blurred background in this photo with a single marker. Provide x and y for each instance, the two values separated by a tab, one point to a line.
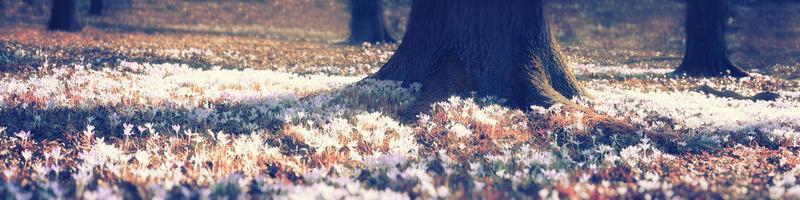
763	35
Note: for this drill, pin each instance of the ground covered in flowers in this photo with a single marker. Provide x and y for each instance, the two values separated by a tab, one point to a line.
169	130
104	114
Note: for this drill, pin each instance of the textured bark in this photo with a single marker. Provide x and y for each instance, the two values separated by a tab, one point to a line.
500	48
367	24
64	16
706	50
96	7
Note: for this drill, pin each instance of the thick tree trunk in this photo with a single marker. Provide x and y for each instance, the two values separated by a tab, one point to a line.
367	24
64	16
500	48
706	51
96	7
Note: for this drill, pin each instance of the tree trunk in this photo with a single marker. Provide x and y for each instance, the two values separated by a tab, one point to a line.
96	7
501	48
64	16
367	24
706	51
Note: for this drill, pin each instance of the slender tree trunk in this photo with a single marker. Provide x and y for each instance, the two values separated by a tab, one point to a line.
64	16
96	7
500	48
706	50
367	24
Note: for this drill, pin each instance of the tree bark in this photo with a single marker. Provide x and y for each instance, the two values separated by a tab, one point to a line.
96	7
706	50
501	48
367	23
64	16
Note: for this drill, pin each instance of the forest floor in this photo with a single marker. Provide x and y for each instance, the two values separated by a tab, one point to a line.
260	100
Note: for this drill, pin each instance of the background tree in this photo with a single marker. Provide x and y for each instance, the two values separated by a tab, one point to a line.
96	7
367	23
64	16
706	51
501	48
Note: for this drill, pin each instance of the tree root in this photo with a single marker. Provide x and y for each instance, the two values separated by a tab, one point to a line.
763	96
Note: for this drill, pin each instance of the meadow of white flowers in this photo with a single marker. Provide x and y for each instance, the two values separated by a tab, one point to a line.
170	131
